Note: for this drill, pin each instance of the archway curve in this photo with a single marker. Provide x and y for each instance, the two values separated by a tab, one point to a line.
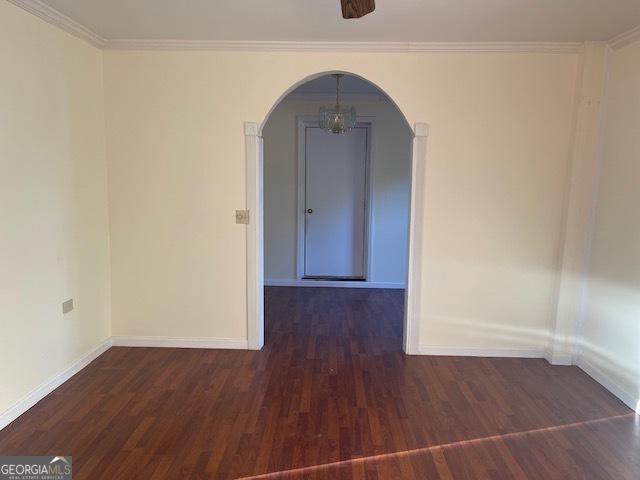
315	76
255	226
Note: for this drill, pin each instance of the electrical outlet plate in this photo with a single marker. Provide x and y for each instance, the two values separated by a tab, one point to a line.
67	306
242	217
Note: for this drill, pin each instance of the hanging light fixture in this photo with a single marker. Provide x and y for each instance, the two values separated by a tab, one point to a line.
338	119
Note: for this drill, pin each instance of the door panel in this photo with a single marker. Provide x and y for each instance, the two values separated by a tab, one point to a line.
335	203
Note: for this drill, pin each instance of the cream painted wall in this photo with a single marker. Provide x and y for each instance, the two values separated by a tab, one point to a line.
496	187
391	184
54	242
611	327
501	130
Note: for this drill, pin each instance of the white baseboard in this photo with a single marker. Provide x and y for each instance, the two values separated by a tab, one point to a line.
628	397
495	352
273	282
175	342
559	359
632	400
49	386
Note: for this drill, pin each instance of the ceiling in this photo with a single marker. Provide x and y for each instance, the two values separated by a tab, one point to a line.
321	20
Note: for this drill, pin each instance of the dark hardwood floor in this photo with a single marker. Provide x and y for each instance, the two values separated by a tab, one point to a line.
331	396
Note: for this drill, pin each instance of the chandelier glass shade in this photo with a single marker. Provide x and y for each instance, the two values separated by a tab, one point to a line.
338	118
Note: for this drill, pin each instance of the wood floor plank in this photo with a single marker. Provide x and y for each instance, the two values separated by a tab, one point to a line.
331	396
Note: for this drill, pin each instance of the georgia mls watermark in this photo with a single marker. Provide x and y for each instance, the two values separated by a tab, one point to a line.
36	468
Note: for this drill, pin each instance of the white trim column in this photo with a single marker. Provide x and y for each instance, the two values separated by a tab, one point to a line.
255	228
416	229
580	204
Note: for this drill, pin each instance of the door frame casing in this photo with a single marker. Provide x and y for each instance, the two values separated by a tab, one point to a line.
303	122
255	238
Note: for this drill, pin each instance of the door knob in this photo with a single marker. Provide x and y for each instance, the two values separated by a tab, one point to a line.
309	211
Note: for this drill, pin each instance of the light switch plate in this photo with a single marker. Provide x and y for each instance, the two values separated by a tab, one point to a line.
242	217
67	306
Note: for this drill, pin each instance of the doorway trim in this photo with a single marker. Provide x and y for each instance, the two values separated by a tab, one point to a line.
255	228
303	122
255	238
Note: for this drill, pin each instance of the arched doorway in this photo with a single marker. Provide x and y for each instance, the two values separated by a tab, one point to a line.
255	228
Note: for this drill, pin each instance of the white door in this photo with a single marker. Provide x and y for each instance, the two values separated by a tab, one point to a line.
335	185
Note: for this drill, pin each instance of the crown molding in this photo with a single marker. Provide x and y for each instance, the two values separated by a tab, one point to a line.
365	47
51	15
54	17
625	38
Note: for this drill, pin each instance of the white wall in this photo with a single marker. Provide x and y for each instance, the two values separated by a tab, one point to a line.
54	242
501	132
611	327
391	183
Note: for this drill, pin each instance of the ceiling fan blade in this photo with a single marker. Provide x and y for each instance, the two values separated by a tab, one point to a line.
357	8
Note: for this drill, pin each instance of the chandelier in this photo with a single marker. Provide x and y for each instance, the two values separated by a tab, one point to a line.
337	119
